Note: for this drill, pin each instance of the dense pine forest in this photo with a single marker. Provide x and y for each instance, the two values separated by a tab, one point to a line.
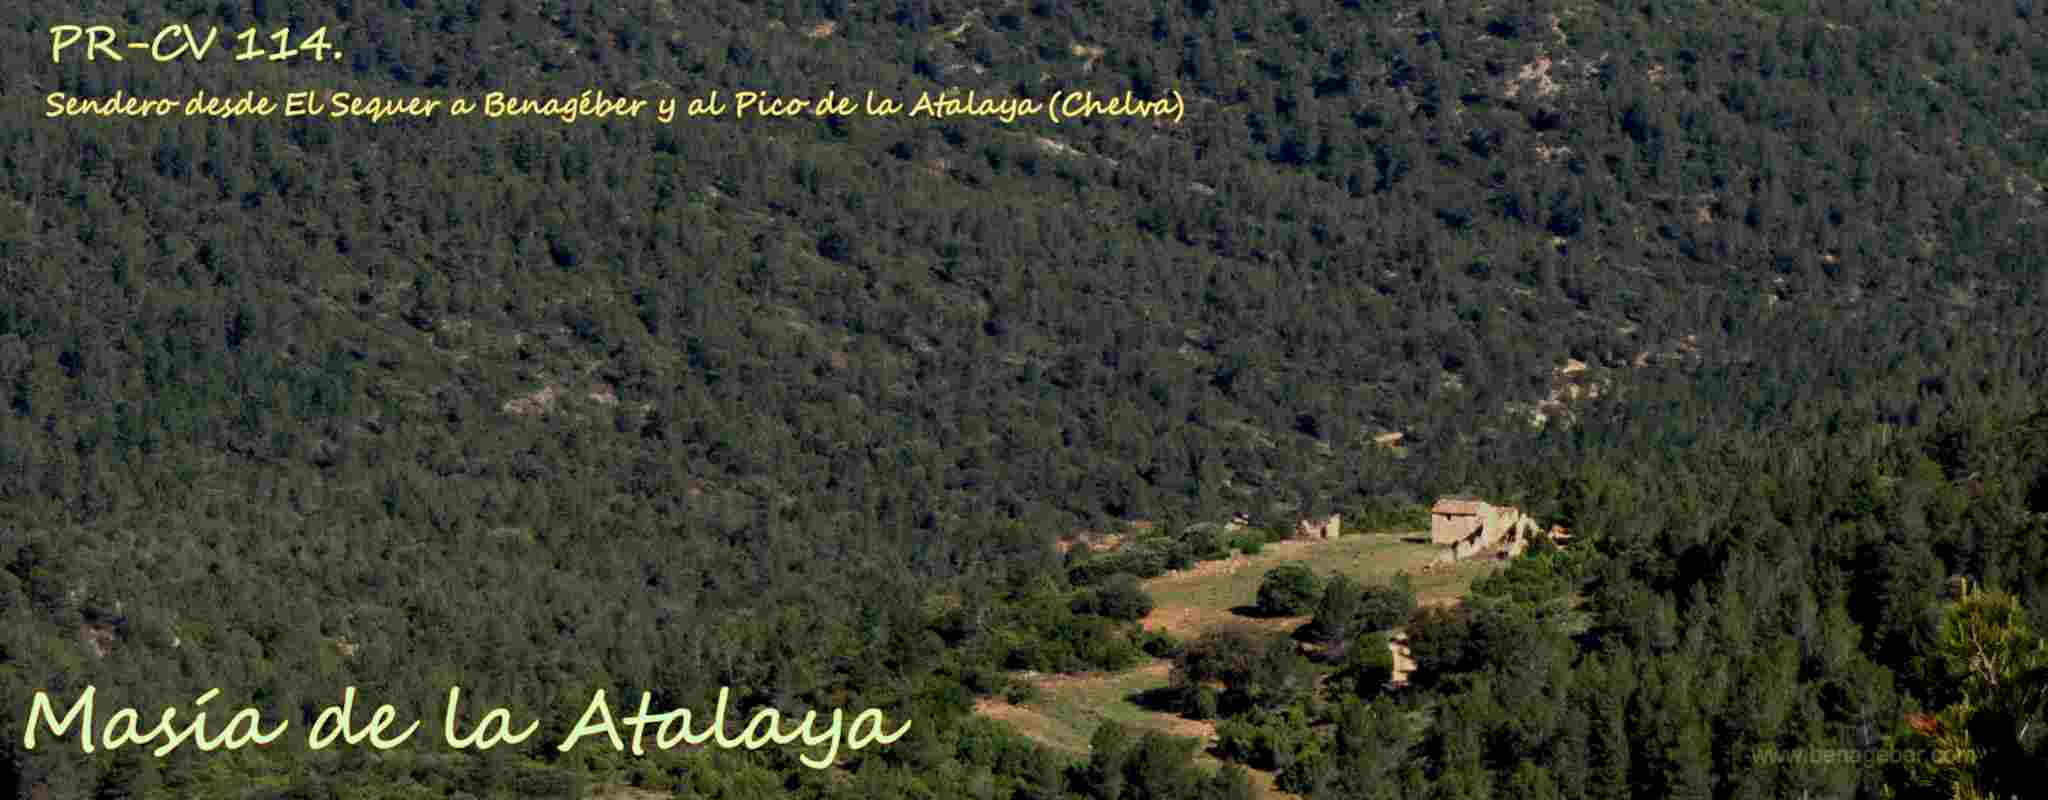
1748	295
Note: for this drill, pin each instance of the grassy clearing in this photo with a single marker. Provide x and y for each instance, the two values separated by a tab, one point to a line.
1196	599
1069	708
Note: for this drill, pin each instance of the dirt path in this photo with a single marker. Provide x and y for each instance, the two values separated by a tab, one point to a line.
1403	663
1052	681
1278	551
1187	623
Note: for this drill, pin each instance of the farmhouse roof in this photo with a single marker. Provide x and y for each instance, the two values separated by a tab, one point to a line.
1462	508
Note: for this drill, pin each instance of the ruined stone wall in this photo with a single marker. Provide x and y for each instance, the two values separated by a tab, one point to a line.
1329	527
1497	522
1449	529
1520	534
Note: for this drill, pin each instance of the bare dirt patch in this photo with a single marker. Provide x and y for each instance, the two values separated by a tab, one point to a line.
1056	147
544	400
1191	728
1055	681
1237	562
1099	542
1535	76
537	403
1028	721
1206	569
1089	53
99	636
1186	623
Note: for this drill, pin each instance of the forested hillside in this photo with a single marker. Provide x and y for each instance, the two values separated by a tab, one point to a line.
1750	295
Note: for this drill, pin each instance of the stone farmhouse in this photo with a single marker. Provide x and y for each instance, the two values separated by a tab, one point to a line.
1466	527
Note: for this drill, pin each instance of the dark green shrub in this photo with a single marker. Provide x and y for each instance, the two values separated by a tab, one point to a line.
1303	776
1365	667
1205	703
1338	611
1264	741
1122	598
1289	590
1383	607
1206	542
1160	644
